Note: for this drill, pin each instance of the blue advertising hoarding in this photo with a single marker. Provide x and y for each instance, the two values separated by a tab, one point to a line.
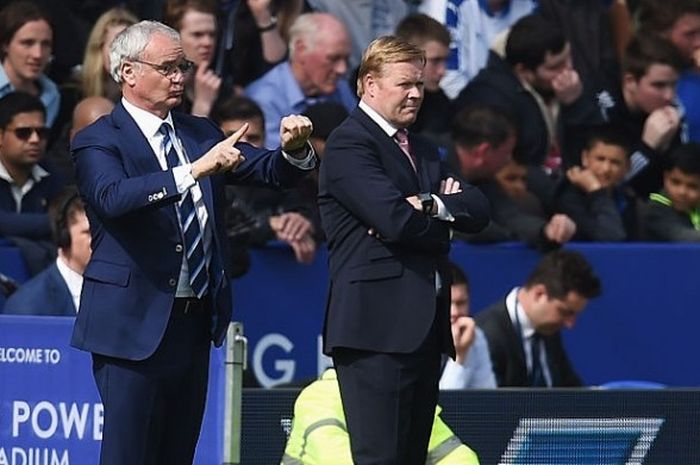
50	411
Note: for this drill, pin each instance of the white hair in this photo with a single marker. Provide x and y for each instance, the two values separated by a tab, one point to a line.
311	27
131	42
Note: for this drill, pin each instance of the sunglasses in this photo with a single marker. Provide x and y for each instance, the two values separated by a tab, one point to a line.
25	133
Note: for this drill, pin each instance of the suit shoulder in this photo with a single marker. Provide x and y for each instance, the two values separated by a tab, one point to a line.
31	295
489	316
95	134
198	124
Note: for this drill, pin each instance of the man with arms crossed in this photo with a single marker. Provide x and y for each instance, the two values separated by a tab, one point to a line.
156	290
387	205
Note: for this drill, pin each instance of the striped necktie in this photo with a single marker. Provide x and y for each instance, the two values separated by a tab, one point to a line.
191	230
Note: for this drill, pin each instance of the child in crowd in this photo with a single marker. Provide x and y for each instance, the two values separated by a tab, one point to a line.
674	213
593	194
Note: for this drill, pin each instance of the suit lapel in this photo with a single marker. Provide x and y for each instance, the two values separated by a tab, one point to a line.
61	294
427	170
514	339
388	146
139	149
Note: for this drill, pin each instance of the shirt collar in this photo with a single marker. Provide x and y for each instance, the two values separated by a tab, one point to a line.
36	174
526	327
74	281
4	80
387	127
148	123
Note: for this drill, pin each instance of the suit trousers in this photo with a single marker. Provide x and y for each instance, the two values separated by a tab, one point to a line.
389	401
153	408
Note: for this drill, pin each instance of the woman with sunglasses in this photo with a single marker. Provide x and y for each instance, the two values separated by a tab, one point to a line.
26	42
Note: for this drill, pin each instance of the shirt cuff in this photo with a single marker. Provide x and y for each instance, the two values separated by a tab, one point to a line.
307	163
442	213
183	177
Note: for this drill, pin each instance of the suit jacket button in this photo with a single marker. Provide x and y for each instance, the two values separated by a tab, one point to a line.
172	281
178	248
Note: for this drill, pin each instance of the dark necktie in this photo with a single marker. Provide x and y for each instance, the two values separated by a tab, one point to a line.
401	137
191	231
537	374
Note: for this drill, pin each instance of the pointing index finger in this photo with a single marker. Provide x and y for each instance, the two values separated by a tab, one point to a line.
236	136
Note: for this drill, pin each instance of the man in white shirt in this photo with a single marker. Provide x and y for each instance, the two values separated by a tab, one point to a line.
471	367
524	329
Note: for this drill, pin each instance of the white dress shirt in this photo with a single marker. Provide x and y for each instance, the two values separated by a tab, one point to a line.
74	281
527	331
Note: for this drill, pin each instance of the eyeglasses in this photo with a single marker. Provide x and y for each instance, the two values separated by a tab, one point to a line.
170	70
25	133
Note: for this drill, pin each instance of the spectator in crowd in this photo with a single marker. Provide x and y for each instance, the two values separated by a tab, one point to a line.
524	329
26	42
434	39
473	26
679	23
673	214
27	185
512	179
195	20
235	111
484	137
471	367
593	194
538	85
86	112
89	110
320	404
645	108
272	214
56	290
365	21
325	116
95	77
260	36
587	25
318	52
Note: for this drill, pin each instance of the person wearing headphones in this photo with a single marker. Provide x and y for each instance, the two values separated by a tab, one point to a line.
56	290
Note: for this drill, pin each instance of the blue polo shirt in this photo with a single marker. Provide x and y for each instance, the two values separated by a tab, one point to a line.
49	96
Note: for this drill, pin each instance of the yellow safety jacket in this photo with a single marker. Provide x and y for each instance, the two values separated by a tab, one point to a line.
319	435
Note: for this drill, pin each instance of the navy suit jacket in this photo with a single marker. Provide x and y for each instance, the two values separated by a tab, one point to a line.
382	294
508	355
131	279
44	294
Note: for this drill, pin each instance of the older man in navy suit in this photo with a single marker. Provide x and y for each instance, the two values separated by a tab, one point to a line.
156	290
388	204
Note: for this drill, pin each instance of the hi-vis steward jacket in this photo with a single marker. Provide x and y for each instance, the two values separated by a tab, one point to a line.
319	435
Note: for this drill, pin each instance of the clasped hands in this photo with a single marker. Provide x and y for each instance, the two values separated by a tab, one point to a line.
224	156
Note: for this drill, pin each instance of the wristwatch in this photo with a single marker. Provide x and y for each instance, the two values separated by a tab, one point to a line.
427	201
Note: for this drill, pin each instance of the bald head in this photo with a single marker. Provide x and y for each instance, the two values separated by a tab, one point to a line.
88	110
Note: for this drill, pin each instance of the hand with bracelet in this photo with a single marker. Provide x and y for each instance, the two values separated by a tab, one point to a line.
262	14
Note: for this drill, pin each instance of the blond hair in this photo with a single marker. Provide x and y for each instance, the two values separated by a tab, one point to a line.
93	72
383	51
